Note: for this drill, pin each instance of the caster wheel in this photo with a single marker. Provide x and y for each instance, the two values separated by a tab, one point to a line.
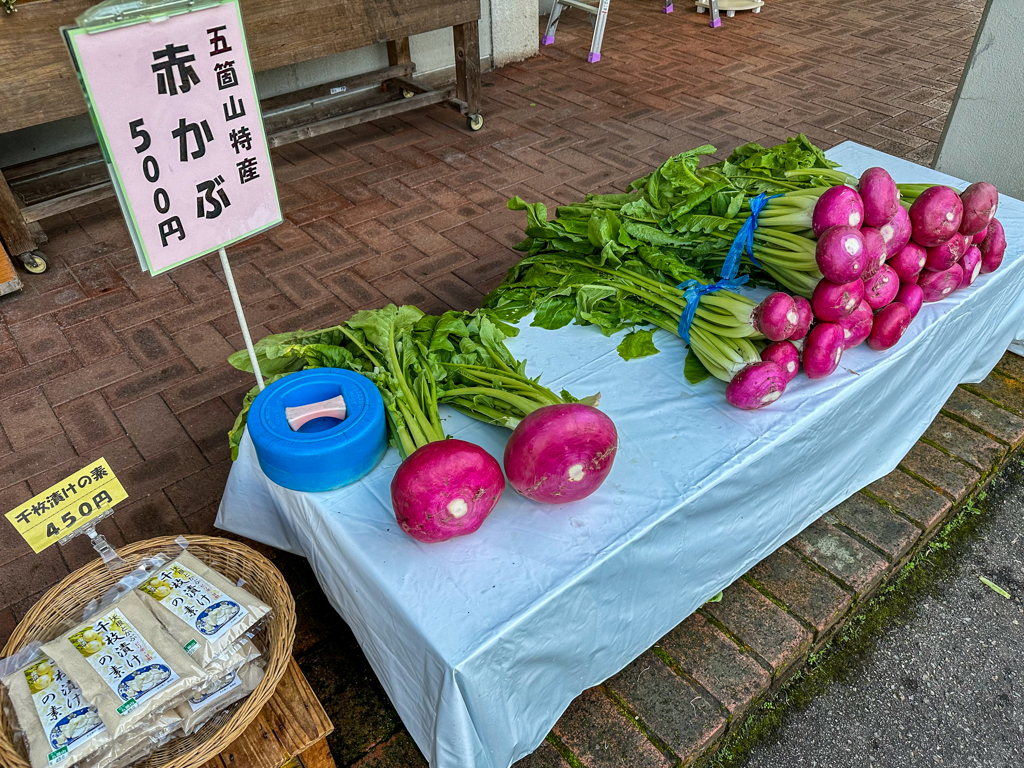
407	94
701	9
475	122
757	10
730	14
34	262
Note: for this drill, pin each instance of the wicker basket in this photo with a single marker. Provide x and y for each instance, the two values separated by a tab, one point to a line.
235	561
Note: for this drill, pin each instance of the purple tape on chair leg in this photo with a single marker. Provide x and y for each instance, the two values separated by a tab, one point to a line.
592	57
547	40
669	8
716	23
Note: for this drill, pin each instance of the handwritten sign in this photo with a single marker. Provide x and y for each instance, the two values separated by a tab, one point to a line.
67	506
176	112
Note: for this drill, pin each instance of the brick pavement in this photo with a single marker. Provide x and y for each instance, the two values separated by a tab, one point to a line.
97	359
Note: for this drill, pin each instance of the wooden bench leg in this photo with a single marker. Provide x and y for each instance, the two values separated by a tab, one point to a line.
467	65
14	230
398	52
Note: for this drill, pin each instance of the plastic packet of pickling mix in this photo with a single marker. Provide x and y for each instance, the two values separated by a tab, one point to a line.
52	719
126	663
202	609
234	687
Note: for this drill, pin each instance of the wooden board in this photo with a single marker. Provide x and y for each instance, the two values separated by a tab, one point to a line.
9	281
38	83
292	724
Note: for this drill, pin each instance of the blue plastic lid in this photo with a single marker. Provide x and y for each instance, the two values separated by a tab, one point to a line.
324	453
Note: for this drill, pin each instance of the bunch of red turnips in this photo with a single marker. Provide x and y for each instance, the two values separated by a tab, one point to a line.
880	260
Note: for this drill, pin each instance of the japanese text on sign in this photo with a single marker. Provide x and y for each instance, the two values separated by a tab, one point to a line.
67	506
176	107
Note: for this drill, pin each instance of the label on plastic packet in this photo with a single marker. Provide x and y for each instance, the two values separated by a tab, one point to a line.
124	659
67	719
195	601
230	683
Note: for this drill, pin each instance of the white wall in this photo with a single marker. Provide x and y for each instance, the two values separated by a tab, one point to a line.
984	135
508	32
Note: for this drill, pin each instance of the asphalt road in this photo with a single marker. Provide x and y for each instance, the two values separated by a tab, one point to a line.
943	683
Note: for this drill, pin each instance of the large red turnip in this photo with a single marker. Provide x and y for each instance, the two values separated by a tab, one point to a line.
839	205
912	297
945	255
891	323
756	385
938	285
444	489
992	247
832	301
822	350
971	264
881	289
908	262
805	315
896	232
857	325
875	251
841	253
785	355
776	317
980	201
561	453
935	215
880	195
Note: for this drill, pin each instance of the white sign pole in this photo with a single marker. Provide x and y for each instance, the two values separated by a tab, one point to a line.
241	318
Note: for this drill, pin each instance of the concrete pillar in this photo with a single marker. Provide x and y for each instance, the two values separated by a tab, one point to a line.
514	34
982	139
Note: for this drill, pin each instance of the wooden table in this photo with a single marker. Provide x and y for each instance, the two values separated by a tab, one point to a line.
291	731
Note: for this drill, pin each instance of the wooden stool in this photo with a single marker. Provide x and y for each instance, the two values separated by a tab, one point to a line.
290	732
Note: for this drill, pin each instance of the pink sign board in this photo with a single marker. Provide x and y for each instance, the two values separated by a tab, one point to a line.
175	109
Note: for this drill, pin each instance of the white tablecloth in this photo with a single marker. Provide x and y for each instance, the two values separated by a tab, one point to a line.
483	641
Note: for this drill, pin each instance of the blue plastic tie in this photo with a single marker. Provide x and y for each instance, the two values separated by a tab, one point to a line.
744	240
693	290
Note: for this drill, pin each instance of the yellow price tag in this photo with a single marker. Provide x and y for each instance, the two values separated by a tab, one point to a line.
67	506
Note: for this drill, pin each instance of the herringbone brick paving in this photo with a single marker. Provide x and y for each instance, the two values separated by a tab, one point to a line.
97	359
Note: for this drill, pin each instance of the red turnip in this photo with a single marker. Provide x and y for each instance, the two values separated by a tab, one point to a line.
822	350
945	255
992	247
912	297
785	355
971	265
881	289
837	205
840	253
980	201
874	248
831	301
909	262
776	317
891	323
445	489
978	237
857	325
805	315
756	385
938	285
896	232
935	215
880	196
560	453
